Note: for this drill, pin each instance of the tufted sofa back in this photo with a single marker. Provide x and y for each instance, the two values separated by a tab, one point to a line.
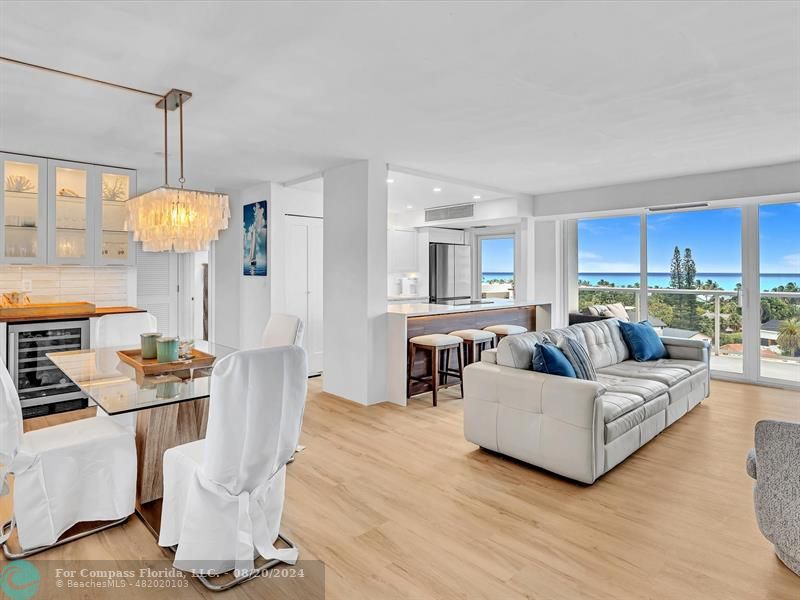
603	340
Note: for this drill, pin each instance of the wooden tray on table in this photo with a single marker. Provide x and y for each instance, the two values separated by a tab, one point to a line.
151	366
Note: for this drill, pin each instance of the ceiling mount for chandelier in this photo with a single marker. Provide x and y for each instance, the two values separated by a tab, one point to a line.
167	218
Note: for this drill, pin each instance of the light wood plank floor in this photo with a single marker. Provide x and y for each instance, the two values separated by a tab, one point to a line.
398	505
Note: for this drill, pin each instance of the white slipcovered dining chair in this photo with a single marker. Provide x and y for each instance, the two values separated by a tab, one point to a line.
123	329
63	475
223	496
282	330
116	331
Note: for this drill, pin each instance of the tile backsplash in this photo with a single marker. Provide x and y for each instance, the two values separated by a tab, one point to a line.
104	286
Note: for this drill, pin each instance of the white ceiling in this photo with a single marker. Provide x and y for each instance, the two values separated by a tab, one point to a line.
530	97
414	193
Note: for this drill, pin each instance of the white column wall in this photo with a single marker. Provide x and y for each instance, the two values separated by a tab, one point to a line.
354	281
550	270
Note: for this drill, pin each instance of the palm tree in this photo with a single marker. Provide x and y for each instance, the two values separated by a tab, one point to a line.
789	336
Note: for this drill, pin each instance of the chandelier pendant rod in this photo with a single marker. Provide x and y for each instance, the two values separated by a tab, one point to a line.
182	179
166	155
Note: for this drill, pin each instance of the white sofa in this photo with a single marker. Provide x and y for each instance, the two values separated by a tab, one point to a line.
577	428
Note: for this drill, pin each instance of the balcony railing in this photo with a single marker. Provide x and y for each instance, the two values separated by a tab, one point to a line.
634	309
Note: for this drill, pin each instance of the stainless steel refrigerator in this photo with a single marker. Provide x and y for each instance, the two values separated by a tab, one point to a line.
450	273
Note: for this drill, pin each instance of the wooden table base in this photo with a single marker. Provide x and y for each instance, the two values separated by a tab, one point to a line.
159	429
150	514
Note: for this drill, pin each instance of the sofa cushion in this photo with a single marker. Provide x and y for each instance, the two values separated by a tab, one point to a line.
617	310
578	357
692	366
616	404
643	341
548	358
629	420
648	389
602	339
668	375
517	350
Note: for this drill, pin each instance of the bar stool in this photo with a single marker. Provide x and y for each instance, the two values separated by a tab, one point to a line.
475	342
503	330
435	343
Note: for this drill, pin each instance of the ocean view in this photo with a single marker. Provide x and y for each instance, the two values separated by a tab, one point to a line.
490	275
726	281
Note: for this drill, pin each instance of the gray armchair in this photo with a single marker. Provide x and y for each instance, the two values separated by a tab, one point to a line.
775	465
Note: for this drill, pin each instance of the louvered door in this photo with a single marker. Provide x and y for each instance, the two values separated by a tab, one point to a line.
157	287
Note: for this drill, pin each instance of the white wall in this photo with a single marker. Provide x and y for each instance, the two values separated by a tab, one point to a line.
502	211
706	187
241	304
354	287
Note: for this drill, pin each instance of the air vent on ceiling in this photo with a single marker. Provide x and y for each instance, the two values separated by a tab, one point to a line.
677	207
445	213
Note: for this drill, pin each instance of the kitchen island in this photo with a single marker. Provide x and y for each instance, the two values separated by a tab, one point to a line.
408	320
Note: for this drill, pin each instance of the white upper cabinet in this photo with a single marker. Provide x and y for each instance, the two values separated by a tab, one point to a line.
402	251
446	236
23	205
64	213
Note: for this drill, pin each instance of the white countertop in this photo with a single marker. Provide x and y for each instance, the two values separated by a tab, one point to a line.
411	299
420	309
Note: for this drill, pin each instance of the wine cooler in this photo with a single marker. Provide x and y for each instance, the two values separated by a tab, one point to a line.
43	389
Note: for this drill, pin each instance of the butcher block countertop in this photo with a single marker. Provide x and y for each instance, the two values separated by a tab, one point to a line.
97	312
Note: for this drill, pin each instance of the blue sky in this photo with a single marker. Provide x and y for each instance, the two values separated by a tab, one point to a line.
497	255
612	245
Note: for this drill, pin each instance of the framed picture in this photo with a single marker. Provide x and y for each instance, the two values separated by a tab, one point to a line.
254	221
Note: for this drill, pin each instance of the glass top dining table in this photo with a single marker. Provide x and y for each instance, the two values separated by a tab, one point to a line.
118	388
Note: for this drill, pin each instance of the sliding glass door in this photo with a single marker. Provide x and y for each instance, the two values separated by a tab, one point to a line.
609	264
694	279
779	292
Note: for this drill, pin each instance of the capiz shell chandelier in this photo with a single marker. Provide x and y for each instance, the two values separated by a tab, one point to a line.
173	218
169	218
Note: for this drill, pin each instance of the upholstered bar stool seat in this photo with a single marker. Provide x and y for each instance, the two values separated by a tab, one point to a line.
436	340
436	344
475	342
476	335
503	330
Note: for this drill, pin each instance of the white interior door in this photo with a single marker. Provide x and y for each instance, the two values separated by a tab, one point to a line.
304	282
157	287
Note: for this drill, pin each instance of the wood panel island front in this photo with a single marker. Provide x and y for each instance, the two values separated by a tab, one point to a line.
409	320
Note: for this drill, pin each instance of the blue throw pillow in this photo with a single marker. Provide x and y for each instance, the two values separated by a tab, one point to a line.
642	341
548	358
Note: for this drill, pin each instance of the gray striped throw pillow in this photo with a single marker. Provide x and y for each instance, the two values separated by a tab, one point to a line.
578	357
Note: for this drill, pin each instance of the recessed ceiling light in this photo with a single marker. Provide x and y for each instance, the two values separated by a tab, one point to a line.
437	189
476	197
409	206
389	180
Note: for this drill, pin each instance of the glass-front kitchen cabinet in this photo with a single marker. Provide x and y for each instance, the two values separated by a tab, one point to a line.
23	205
64	213
72	191
114	243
